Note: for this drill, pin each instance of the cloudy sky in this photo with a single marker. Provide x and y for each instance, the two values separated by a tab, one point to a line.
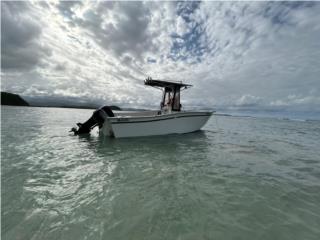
246	55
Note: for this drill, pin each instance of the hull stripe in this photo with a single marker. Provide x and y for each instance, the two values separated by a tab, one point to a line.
155	120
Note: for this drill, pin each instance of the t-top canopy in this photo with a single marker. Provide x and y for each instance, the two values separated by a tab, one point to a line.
170	84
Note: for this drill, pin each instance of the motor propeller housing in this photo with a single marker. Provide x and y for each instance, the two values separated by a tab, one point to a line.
97	119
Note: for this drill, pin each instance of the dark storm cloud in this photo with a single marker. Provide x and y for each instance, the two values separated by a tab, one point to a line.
20	46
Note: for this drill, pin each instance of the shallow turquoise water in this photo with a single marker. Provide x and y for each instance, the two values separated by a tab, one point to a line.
239	178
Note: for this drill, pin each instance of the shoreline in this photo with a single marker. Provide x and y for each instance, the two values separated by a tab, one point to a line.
222	114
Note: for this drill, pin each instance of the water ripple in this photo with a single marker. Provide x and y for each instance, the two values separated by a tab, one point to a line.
238	178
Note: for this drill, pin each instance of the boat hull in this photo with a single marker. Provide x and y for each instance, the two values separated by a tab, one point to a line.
182	122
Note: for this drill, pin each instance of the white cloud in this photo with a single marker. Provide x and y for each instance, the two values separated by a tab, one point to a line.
311	102
248	100
241	54
181	26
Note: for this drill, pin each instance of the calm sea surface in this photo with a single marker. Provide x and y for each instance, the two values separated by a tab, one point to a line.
238	178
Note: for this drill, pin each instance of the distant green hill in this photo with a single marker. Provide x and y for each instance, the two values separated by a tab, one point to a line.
12	99
116	108
16	100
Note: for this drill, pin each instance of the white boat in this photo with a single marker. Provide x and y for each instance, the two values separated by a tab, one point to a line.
169	119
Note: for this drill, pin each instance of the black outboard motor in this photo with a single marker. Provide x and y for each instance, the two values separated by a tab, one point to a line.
96	119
